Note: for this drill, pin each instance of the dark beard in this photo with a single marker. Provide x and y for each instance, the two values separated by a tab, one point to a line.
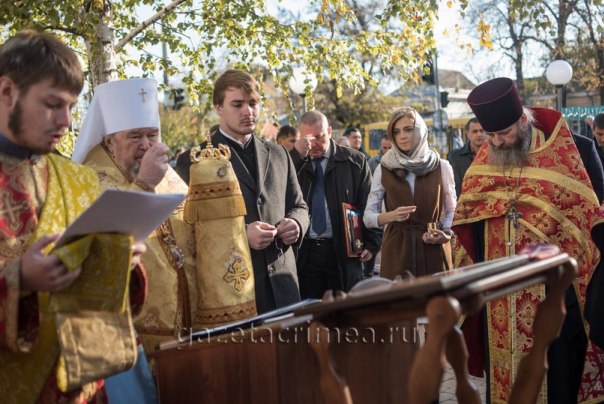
14	120
514	155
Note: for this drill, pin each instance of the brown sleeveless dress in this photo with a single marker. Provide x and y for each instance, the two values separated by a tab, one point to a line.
402	246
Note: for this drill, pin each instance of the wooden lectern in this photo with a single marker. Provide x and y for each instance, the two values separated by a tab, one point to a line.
362	347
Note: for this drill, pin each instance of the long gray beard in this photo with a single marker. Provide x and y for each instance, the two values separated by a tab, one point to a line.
512	156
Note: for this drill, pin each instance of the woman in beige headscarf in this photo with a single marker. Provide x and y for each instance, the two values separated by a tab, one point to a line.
418	191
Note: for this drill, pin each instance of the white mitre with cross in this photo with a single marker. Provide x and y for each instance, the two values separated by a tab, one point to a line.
117	106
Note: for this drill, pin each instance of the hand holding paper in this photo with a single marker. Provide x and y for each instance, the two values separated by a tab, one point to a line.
124	212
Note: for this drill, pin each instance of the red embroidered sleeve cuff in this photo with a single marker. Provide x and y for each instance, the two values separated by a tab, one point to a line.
19	314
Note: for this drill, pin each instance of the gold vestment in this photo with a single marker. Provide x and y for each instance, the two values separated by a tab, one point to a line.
169	261
46	195
224	264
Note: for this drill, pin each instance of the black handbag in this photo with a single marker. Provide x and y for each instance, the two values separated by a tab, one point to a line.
285	288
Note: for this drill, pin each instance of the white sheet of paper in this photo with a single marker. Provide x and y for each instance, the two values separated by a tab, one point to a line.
124	212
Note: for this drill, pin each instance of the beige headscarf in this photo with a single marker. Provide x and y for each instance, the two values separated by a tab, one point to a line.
421	160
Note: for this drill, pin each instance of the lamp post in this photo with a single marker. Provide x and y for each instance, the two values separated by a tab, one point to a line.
298	82
559	73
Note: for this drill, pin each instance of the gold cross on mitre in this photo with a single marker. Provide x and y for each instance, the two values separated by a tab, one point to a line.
142	94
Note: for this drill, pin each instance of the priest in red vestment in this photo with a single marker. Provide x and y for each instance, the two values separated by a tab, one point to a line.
528	184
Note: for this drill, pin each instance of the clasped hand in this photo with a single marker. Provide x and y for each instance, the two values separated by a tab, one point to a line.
260	234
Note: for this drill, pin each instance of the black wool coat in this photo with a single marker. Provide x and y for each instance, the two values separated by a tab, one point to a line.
274	195
347	180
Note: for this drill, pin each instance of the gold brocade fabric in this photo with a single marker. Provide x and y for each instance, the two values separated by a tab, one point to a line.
96	304
558	206
58	191
103	258
85	357
169	260
224	265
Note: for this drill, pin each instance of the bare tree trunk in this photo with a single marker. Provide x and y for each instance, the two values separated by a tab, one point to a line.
516	32
565	9
518	63
101	53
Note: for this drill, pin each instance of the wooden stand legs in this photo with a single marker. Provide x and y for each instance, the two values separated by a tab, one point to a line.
429	363
457	355
334	388
445	342
546	328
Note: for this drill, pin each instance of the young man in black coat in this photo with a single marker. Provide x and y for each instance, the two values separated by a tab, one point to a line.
277	216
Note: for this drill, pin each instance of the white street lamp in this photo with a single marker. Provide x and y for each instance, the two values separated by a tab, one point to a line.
559	73
299	81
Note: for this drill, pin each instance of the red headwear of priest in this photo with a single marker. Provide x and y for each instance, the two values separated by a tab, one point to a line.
496	104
